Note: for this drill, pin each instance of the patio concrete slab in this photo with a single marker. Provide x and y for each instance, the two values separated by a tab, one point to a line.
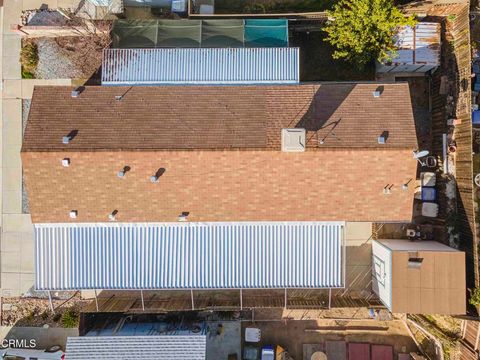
11	45
12	113
12	89
11	242
10	262
11	14
358	231
17	223
29	84
13	179
10	284
12	202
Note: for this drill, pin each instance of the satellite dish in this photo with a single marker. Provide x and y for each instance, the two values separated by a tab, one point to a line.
420	154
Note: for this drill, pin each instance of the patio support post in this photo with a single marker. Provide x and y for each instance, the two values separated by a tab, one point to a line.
143	302
51	302
96	299
193	302
241	300
285	298
329	298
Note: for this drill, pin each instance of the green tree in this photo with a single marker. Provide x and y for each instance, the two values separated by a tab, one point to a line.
364	30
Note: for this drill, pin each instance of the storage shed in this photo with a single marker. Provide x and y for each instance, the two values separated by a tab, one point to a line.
419	277
418	50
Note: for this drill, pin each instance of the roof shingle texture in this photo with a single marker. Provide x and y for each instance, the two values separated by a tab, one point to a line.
218	117
234	169
221	185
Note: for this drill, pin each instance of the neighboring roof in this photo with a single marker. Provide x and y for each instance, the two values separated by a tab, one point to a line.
179	347
418	45
330	184
200	66
342	115
224	33
189	256
418	49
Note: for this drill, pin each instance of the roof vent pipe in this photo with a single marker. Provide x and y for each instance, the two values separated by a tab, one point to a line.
66	162
66	140
75	92
112	215
121	173
154	178
376	94
73	214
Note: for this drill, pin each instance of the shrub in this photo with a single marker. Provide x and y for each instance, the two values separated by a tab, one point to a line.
70	318
29	57
362	31
475	297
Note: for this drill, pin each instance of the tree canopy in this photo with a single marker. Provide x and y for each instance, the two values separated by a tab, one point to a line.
364	30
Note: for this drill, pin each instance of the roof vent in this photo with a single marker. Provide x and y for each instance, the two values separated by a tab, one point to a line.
154	178
118	97
183	216
293	140
77	91
382	139
66	162
121	174
376	94
73	214
70	136
112	215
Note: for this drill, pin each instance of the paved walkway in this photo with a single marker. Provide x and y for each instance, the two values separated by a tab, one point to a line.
16	249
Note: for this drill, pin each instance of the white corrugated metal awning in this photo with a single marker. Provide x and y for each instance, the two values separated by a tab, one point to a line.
189	255
418	49
178	347
200	66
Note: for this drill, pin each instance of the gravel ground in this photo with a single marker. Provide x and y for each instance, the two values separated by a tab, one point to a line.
25	111
54	62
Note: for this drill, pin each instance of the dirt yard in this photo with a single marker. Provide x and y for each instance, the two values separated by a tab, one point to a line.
293	334
37	312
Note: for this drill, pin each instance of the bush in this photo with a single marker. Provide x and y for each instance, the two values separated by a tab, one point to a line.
475	297
70	318
29	57
362	31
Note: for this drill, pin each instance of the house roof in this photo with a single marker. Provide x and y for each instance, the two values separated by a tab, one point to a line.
248	185
234	169
344	115
189	255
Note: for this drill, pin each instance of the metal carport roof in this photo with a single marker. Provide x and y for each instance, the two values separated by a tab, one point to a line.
178	347
200	66
232	255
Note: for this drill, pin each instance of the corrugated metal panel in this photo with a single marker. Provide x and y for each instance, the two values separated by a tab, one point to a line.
418	49
178	347
189	256
200	66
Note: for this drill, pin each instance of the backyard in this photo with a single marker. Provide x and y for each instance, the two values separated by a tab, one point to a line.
317	63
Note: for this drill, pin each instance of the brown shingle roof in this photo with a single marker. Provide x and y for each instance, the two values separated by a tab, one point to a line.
331	184
245	177
218	117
